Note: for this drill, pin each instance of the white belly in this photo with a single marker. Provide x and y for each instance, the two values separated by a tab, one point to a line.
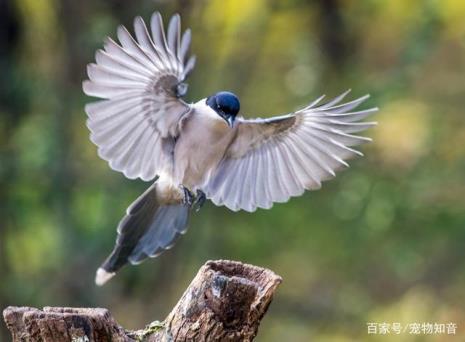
201	145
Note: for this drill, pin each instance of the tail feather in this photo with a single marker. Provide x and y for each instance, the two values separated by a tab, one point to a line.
169	223
147	229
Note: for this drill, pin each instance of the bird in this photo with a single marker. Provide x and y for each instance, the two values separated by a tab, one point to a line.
194	152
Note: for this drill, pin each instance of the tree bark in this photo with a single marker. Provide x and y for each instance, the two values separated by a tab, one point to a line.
225	302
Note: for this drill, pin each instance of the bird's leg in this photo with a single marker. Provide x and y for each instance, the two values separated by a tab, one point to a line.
200	199
188	196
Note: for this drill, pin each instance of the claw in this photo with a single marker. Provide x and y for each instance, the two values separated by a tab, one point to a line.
188	196
200	199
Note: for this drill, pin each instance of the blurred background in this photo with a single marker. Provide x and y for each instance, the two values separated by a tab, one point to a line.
383	242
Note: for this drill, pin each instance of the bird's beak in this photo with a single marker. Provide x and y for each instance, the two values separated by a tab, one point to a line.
230	121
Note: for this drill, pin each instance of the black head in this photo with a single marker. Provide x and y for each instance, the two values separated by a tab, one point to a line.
226	105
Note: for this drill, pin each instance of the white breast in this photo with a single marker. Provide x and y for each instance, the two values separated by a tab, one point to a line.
201	145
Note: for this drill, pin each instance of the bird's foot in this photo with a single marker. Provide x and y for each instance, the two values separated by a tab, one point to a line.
188	196
200	199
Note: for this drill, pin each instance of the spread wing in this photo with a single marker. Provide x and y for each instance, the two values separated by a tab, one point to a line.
271	160
140	82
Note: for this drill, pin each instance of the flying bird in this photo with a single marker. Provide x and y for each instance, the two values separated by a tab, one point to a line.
205	150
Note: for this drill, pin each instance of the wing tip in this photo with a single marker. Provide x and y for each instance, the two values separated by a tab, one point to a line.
156	16
121	30
176	16
102	276
363	98
138	22
86	84
91	69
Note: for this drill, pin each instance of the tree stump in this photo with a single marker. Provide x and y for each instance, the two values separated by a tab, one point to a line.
225	302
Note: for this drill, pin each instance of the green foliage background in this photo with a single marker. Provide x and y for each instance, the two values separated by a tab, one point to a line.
383	242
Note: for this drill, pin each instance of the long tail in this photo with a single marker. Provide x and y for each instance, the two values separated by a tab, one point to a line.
147	229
